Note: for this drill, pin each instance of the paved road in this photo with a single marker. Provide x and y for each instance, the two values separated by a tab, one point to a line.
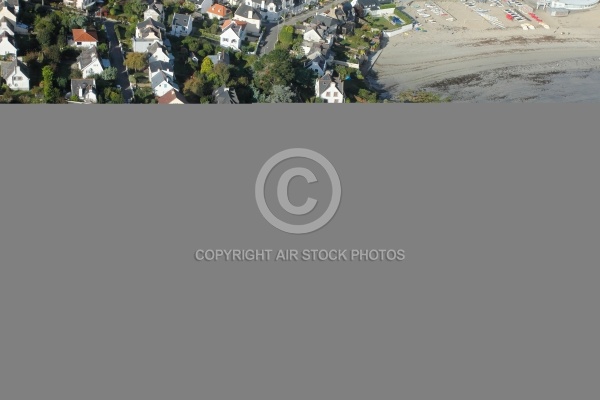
116	59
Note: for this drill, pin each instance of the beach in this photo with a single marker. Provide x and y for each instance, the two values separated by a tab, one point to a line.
471	60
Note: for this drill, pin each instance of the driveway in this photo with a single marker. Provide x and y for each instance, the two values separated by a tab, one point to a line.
117	59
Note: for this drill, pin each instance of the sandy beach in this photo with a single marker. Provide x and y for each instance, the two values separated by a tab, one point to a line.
471	60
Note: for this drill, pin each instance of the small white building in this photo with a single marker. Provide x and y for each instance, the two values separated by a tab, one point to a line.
330	88
163	83
181	25
234	33
251	16
89	62
84	38
159	52
79	4
16	74
7	45
85	90
155	11
6	26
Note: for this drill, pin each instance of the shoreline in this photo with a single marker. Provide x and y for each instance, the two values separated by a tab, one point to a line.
469	60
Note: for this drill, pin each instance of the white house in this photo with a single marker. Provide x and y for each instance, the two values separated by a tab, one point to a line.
219	12
162	83
80	4
329	88
13	5
84	38
155	11
181	25
142	45
89	62
272	10
6	26
16	74
150	29
318	34
7	12
251	16
202	6
85	89
158	52
234	32
317	63
157	67
7	45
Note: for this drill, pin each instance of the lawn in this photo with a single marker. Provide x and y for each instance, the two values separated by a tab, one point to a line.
380	22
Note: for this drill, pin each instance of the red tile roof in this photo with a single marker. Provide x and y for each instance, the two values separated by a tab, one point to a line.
219	10
80	35
171	96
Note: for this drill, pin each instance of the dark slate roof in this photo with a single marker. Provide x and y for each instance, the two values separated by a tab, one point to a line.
88	85
316	58
224	95
155	46
182	19
8	23
156	6
326	20
149	22
242	11
222	57
8	68
162	77
87	56
10	4
325	83
156	66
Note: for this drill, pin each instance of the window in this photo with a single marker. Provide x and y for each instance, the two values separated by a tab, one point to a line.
335	94
327	94
336	101
79	43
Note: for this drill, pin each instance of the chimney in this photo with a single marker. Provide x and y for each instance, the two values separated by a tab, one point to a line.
262	5
250	14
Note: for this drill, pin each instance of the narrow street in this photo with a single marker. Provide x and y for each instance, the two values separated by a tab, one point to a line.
117	59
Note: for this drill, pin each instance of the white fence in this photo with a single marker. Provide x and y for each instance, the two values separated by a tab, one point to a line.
405	28
382	12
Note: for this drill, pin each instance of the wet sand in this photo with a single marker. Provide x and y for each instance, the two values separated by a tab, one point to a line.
471	61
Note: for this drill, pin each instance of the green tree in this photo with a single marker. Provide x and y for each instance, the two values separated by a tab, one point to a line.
52	53
195	88
281	94
286	36
222	73
45	31
102	49
109	74
61	39
274	68
134	8
50	94
76	74
369	97
207	66
62	82
136	61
